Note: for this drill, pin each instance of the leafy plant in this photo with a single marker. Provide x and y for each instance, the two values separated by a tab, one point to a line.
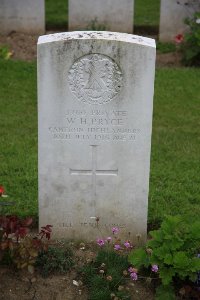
165	293
5	53
105	274
174	248
27	251
190	47
15	244
11	230
55	260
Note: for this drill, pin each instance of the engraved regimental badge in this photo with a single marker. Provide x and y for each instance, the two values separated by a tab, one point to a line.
95	79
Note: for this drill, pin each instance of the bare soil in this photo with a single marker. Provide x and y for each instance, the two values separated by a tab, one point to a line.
24	47
19	284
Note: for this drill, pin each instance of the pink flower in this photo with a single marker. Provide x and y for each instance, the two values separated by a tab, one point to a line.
115	230
108	239
132	270
117	247
134	276
179	38
154	268
100	242
127	245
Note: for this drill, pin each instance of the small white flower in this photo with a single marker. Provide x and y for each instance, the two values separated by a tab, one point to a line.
198	21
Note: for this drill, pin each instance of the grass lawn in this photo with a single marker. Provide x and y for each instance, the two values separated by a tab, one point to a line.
175	161
147	13
56	14
18	130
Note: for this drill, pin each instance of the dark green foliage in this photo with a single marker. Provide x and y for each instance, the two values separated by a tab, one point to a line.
55	260
174	248
6	259
166	47
99	286
165	293
191	46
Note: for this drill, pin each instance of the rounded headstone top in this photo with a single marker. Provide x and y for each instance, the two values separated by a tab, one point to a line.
97	35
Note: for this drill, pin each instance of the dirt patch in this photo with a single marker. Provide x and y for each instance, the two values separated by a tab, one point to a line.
15	284
172	59
19	285
24	47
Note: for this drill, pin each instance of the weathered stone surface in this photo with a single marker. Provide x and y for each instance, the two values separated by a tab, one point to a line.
172	16
95	119
26	16
112	15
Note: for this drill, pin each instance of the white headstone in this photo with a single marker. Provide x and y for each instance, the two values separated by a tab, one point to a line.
26	16
112	15
172	16
95	119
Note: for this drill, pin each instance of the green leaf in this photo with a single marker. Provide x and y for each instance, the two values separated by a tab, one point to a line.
195	230
193	277
168	259
165	293
166	275
156	235
139	258
195	264
176	243
161	252
181	260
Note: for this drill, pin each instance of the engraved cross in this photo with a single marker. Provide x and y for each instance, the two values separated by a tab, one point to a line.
94	172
